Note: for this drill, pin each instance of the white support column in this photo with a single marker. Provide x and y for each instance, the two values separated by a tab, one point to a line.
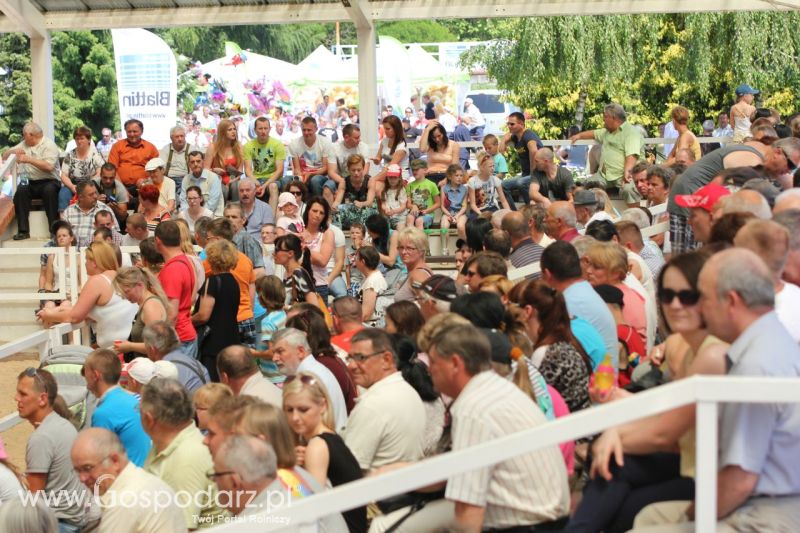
42	83
705	517
368	85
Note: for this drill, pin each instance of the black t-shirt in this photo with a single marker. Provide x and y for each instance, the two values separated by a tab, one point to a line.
430	114
224	330
556	189
343	468
521	147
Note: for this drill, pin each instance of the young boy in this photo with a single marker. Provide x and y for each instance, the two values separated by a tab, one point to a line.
353	276
423	197
492	146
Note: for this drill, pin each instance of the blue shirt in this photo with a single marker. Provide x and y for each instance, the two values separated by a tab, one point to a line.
118	411
455	197
188	370
260	215
591	341
762	438
584	302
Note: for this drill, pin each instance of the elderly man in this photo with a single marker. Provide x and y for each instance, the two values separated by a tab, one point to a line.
263	161
487	407
48	467
435	294
208	182
117	410
105	143
758	482
388	422
622	143
561	222
245	242
37	157
102	465
161	343
238	370
255	213
473	119
523	250
131	154
246	470
770	241
549	181
112	192
526	143
176	155
178	456
292	353
81	214
586	208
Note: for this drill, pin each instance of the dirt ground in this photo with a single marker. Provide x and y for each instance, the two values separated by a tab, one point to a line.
16	437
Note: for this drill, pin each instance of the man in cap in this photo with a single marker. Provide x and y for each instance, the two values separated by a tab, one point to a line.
586	210
701	206
435	294
473	119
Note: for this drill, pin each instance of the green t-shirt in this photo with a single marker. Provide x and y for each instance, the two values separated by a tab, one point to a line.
626	140
265	157
422	193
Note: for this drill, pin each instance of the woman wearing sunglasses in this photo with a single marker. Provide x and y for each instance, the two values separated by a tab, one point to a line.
651	472
320	450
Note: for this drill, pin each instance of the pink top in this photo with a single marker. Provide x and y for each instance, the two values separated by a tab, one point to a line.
633	310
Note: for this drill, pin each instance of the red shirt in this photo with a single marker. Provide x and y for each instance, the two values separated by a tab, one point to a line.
177	279
130	160
570	235
343	340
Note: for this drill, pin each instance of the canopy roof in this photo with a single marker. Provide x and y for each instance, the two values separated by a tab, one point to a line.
36	16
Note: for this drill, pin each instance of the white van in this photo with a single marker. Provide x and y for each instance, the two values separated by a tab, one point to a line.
493	108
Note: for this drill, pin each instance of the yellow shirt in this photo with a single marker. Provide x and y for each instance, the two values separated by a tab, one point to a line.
183	465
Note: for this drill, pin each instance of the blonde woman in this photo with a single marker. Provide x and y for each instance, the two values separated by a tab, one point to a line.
98	301
141	287
320	450
207	396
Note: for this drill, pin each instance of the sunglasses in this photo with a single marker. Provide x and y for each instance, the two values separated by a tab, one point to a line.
789	161
305	379
33	373
685	297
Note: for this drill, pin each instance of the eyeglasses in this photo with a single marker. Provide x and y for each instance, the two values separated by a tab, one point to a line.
214	475
33	373
789	161
407	249
305	379
685	297
360	358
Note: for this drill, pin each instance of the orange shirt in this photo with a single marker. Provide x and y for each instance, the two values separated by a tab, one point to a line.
130	160
244	275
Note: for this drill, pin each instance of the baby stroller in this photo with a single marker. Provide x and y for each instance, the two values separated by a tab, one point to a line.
66	363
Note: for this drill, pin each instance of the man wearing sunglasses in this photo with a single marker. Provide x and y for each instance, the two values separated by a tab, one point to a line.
388	422
525	143
48	465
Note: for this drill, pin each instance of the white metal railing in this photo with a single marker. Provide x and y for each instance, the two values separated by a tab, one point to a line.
9	166
707	392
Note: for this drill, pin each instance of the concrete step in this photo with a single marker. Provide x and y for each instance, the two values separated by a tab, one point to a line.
19	277
38	226
21	261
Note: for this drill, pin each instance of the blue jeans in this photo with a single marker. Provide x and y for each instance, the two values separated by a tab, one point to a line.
323	291
63	527
189	348
319	182
338	287
520	184
64	197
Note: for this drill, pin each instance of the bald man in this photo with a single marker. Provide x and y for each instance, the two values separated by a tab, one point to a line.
549	181
131	499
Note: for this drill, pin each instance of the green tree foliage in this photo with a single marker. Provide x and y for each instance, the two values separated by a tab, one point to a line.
290	42
646	63
15	60
416	31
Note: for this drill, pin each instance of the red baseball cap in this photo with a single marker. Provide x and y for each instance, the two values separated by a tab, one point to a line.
705	197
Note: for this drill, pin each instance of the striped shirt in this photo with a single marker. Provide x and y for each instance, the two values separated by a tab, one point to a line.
526	253
528	489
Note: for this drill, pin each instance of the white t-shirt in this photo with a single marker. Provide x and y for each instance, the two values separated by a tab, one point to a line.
311	156
341	153
787	305
339	241
486	195
386	155
376	282
9	484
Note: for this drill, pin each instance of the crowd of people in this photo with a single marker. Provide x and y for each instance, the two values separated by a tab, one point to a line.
281	360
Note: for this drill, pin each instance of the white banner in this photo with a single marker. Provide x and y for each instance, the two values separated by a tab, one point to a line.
147	82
